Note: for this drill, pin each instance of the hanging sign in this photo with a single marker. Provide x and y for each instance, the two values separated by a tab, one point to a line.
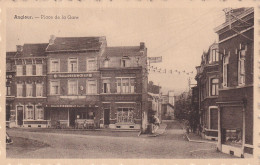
155	59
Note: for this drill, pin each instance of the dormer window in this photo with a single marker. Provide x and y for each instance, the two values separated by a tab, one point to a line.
106	62
125	61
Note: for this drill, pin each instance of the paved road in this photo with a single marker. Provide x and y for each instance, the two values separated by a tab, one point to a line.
171	144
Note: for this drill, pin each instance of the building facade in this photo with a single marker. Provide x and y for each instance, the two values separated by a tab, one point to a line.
78	81
207	83
235	101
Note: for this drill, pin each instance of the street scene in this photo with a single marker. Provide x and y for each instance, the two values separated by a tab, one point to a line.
179	86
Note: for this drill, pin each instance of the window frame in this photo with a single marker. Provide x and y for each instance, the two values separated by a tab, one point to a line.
240	61
128	88
30	70
129	120
70	91
32	113
58	82
211	86
37	69
225	69
21	88
37	112
108	86
69	64
21	69
27	87
95	64
37	88
51	65
88	89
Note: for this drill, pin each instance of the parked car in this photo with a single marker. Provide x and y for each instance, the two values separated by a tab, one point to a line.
8	139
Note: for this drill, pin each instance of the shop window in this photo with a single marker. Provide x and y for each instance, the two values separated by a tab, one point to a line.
55	65
28	70
39	90
91	64
106	86
39	112
39	69
29	90
29	115
91	87
214	87
125	115
72	65
19	90
55	87
241	67
72	87
125	85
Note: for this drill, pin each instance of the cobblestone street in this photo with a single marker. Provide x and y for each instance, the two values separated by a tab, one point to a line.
102	144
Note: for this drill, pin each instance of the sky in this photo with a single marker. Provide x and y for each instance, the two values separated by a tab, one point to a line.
179	35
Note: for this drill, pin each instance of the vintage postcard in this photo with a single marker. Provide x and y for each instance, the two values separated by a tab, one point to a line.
129	82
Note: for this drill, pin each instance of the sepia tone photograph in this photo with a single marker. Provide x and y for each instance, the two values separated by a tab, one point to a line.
129	83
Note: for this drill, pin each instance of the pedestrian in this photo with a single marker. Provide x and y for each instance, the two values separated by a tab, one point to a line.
155	123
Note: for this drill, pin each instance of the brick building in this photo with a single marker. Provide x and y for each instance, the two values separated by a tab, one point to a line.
77	80
10	89
30	65
235	101
207	83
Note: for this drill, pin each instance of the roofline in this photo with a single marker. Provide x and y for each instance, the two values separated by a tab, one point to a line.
245	13
79	50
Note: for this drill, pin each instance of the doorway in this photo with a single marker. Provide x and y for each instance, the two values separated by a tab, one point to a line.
20	115
106	116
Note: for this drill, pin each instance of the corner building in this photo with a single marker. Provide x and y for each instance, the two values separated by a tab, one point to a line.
235	101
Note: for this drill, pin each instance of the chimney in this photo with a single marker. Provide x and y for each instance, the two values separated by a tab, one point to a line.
52	38
19	48
142	45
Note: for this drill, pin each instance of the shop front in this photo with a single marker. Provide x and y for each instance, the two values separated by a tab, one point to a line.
73	116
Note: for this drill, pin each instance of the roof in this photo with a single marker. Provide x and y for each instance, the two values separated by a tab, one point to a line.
75	43
10	54
123	51
33	50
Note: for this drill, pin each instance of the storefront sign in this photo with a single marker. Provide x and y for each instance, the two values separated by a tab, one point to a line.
73	75
66	106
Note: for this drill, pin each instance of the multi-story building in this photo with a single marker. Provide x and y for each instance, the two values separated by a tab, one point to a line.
10	90
207	83
30	85
74	81
168	106
123	87
235	101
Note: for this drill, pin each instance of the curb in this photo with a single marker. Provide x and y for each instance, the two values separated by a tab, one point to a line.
198	141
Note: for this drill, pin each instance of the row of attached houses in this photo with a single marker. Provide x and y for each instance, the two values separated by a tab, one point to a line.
72	80
225	85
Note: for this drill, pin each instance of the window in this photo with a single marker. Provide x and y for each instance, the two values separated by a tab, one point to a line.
39	90
225	70
55	87
214	56
214	87
55	65
19	90
39	113
29	115
125	85
19	70
106	86
72	65
8	91
125	115
91	64
91	86
28	70
241	67
39	69
29	90
73	87
106	63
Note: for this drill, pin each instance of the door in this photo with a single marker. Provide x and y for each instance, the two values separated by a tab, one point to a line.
19	115
106	116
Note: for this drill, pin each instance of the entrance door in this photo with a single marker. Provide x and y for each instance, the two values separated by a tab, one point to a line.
19	115
106	116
